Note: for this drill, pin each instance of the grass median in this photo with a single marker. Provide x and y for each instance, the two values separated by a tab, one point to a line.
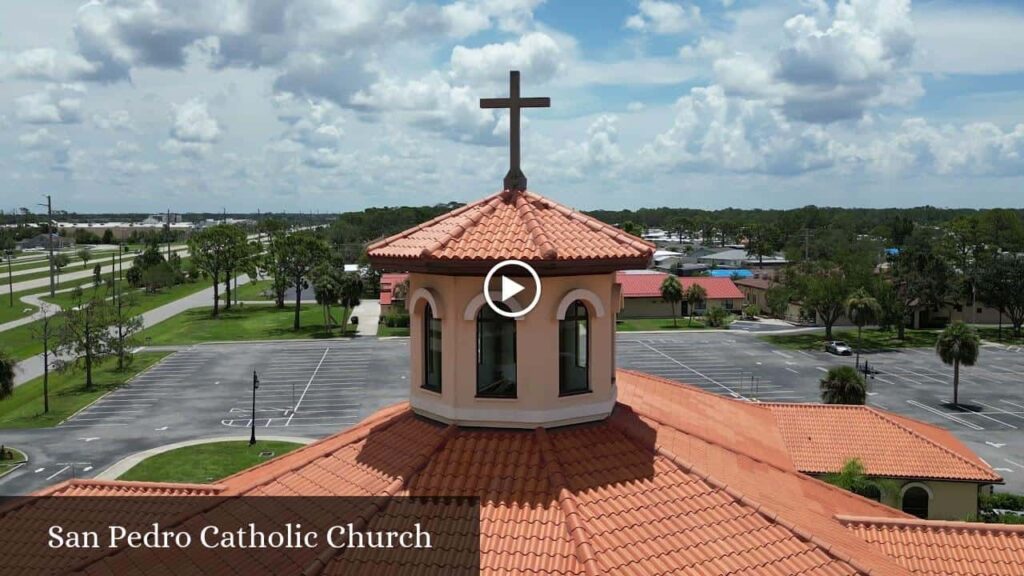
244	322
205	463
652	324
873	339
10	460
68	394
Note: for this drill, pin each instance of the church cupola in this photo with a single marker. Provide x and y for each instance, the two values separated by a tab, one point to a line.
516	352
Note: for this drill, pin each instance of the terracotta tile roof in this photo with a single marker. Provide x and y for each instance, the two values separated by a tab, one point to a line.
648	285
523	226
388	282
668	484
930	548
821	438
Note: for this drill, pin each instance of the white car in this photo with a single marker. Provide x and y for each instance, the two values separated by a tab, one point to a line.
839	348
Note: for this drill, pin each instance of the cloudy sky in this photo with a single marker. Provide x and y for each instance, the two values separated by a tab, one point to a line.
343	104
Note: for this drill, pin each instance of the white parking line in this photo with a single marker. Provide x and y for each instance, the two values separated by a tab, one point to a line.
791	370
57	473
982	414
970	425
1000	410
730	390
1017	464
308	384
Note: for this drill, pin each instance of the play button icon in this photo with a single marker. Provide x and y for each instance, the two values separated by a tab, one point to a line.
510	289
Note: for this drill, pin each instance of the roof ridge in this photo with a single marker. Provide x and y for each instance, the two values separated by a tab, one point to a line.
567	502
595	224
766	512
922	523
467	219
329	554
533	227
439	218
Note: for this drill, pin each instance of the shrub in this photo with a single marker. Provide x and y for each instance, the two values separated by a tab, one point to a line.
716	317
396	320
751	311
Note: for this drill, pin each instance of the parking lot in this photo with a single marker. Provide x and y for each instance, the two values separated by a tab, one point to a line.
912	382
312	389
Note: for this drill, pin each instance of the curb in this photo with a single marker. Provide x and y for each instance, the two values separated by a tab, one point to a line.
128	462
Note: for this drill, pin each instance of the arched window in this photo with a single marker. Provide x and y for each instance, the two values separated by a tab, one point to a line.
495	354
574	350
431	350
915	501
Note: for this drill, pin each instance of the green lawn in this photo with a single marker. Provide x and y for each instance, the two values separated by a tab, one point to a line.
646	324
383	330
992	334
21	342
873	339
7	465
205	463
144	301
250	291
18	310
245	322
24	408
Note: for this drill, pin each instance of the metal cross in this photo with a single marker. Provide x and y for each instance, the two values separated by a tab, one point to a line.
515	180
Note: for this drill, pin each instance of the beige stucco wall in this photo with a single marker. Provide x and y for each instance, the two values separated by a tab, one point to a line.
952	500
658	308
949	500
538	402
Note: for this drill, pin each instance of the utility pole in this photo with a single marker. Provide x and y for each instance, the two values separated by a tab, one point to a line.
10	278
49	234
168	223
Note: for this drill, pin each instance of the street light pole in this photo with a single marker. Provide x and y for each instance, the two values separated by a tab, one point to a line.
255	385
49	234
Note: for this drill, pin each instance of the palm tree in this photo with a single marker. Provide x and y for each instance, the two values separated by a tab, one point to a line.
843	385
958	344
7	367
853	478
862	309
671	292
695	294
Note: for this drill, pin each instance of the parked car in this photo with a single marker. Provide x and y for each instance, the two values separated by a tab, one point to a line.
838	347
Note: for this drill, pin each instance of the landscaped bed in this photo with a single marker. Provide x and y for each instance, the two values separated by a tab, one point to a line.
650	324
873	339
205	463
10	460
24	408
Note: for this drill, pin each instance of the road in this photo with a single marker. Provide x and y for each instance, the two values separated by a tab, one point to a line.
33	367
105	268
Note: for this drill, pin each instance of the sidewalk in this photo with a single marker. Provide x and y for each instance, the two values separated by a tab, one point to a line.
77	273
33	367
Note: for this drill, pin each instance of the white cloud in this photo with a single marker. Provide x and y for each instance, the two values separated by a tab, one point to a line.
117	120
47	64
42	139
193	129
835	64
536	54
57	104
193	122
713	131
663	17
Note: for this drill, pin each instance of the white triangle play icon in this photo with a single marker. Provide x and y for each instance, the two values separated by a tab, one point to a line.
509	288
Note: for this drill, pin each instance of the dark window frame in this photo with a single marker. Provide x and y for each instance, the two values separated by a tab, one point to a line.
486	316
428	319
576	312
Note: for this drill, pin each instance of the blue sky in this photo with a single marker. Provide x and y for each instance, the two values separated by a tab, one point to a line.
147	105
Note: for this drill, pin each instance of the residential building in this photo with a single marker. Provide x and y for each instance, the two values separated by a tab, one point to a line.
388	298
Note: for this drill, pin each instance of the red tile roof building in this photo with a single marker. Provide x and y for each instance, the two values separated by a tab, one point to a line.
674	480
388	281
820	439
509	225
647	284
668	484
